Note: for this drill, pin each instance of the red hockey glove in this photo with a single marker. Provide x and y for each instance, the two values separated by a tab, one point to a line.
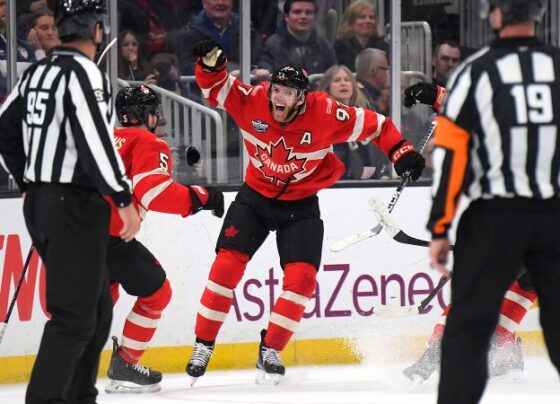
210	54
425	93
407	161
207	198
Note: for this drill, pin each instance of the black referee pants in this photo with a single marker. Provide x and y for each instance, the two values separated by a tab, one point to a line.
70	228
494	239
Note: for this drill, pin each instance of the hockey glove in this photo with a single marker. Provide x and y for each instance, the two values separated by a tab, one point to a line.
193	155
207	198
407	161
425	93
210	54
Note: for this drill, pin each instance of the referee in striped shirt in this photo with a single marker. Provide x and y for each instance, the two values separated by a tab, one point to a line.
56	140
498	141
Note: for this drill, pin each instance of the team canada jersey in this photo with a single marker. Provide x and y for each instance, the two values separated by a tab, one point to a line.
293	160
147	161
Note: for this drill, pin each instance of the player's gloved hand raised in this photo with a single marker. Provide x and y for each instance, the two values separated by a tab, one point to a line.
406	160
425	93
207	198
210	54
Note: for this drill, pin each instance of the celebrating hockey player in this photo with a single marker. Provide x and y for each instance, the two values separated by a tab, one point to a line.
288	134
148	163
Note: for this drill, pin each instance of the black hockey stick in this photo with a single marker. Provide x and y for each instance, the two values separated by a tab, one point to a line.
16	292
405	311
356	238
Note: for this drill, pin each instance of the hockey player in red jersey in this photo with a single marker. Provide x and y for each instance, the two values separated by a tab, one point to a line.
148	163
288	134
505	356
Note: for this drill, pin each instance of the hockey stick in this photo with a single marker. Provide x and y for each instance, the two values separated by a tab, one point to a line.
356	238
16	293
405	311
109	46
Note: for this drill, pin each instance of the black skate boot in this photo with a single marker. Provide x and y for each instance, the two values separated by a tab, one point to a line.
202	351
506	361
269	364
128	378
425	366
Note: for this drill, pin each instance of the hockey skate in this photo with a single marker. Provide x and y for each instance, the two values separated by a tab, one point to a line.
424	366
506	361
202	351
269	364
128	378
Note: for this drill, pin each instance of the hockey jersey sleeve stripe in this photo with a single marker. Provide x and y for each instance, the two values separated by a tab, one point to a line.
283	321
358	125
153	193
294	297
380	123
224	91
206	90
454	140
139	177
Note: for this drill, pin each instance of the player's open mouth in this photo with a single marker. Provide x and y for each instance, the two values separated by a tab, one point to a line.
279	109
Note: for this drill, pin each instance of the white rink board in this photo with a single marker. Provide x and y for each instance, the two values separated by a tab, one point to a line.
350	282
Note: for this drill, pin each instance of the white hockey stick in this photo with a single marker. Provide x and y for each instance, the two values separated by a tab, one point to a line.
405	311
16	293
109	46
356	238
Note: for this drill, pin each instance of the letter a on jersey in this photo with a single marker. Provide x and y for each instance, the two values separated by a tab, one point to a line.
306	138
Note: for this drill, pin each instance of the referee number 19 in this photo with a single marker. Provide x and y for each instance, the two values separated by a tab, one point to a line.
532	103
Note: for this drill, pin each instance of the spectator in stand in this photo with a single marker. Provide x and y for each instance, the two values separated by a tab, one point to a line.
166	72
133	65
447	56
25	12
43	34
339	82
216	21
297	44
25	53
357	31
373	75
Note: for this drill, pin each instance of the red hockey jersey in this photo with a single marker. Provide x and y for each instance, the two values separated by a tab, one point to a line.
298	152
147	161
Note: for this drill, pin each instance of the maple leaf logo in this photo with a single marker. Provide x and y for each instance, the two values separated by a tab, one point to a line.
278	164
231	231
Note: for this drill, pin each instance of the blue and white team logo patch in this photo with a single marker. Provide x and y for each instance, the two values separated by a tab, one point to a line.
260	126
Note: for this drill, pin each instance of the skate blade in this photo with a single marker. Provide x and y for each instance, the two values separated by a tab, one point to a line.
264	378
415	381
192	380
121	387
511	376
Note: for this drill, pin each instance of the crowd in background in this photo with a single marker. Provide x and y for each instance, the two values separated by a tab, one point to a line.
155	46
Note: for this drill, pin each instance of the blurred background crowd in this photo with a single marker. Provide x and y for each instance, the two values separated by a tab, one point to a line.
345	46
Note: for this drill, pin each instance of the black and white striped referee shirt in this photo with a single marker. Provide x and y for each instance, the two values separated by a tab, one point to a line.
56	126
498	134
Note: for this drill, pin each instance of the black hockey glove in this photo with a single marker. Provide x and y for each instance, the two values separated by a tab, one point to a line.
210	55
425	93
193	155
407	161
207	198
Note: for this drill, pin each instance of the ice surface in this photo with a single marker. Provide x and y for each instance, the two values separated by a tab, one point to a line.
359	384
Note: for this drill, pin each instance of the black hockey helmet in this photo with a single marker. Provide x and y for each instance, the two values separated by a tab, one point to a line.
76	19
134	104
515	11
291	77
